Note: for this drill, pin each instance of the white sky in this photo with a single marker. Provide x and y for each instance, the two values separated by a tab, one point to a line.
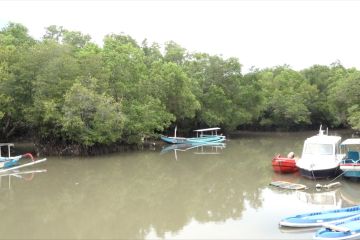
259	33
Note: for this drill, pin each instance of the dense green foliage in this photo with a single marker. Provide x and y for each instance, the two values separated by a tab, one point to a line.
64	88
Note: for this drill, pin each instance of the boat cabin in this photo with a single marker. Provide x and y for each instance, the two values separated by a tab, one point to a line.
207	132
351	148
350	165
322	145
5	149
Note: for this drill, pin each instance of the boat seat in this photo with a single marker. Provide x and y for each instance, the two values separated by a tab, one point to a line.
336	228
353	155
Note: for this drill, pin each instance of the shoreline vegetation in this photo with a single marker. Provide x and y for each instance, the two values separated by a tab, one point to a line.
71	96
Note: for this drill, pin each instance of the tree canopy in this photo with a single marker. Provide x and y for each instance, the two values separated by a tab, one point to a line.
65	88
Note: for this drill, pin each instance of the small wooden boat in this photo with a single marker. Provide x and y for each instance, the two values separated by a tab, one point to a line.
317	219
173	140
347	229
288	185
6	162
284	164
201	137
11	162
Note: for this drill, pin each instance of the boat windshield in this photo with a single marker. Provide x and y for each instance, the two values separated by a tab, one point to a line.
318	149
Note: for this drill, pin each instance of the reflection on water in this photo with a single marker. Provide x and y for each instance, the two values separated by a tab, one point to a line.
324	199
147	195
196	148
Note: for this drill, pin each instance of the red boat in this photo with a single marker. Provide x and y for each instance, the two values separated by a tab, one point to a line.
284	164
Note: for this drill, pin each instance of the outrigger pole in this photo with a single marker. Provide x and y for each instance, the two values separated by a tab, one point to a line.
23	165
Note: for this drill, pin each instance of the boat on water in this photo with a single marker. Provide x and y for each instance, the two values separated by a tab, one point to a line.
350	165
317	219
321	156
282	164
9	162
202	136
346	229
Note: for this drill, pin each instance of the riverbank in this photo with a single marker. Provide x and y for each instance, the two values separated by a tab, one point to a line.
65	149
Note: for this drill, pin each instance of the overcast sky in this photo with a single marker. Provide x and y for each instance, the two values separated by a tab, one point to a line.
259	33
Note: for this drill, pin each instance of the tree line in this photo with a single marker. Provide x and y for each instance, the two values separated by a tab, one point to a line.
66	89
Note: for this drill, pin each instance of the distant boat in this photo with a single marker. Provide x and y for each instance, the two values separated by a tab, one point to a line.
317	219
202	136
320	157
350	165
9	162
346	229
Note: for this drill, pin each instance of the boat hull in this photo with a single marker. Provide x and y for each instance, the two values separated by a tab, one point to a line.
7	162
320	174
284	165
209	139
317	219
173	140
197	140
351	170
347	229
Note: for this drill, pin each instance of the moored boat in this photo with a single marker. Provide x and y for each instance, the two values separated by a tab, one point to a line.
207	135
283	164
346	229
350	165
11	162
320	157
317	219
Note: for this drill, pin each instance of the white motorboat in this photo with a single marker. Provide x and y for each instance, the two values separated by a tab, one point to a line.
321	156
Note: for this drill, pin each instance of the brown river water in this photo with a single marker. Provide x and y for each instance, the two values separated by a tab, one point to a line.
212	192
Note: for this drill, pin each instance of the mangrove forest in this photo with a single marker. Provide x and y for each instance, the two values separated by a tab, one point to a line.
65	90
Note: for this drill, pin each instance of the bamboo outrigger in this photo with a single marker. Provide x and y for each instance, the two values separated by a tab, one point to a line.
11	162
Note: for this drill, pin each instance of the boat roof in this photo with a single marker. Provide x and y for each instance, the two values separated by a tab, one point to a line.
207	129
351	141
323	139
6	144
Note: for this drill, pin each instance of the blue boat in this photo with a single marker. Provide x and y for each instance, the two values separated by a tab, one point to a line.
317	219
346	229
201	137
350	165
10	161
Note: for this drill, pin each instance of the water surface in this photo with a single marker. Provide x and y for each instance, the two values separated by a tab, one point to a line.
201	193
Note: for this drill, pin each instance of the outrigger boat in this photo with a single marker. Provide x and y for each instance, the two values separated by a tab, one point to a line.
207	135
350	165
11	162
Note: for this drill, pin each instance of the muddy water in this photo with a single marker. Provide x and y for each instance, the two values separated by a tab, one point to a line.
213	192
